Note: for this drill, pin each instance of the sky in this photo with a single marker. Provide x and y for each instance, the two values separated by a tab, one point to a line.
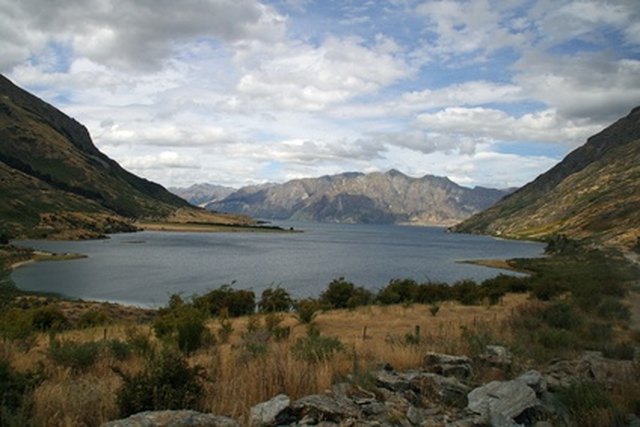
239	92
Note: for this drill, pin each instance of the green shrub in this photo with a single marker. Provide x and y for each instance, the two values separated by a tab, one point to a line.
620	351
183	325
562	316
359	297
434	309
431	292
92	318
316	348
275	300
48	318
15	393
139	341
15	324
236	302
75	355
467	292
226	328
306	309
337	294
585	402
119	349
398	291
611	308
167	383
555	339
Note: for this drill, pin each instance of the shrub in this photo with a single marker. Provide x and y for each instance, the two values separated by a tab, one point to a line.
429	293
167	383
467	292
554	339
48	318
139	341
15	324
586	401
337	294
275	300
611	308
562	316
434	309
236	302
75	355
316	348
306	309
92	318
15	392
183	325
619	351
398	291
359	297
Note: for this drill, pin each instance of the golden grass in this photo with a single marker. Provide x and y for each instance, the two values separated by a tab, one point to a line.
235	380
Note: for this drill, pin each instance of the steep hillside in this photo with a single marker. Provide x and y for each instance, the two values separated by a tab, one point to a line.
390	197
53	179
593	194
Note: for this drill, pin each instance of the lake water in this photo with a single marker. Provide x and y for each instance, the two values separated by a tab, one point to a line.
145	268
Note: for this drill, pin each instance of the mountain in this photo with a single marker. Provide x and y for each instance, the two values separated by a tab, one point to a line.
593	194
55	182
202	194
390	197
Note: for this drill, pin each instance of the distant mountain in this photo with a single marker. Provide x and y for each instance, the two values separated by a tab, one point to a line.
390	197
54	181
593	194
202	194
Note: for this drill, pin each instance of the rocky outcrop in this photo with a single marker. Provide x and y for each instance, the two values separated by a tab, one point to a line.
173	419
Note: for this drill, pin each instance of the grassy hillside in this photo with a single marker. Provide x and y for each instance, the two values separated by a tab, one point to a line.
592	195
54	179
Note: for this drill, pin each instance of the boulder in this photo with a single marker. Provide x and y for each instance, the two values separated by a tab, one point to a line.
448	365
499	399
317	408
265	414
179	418
535	380
496	356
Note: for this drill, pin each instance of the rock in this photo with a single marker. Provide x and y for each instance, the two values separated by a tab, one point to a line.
535	380
496	356
504	398
320	407
448	365
445	390
265	413
590	366
180	418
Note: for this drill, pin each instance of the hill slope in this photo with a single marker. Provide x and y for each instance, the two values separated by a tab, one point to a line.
593	194
202	194
53	178
390	197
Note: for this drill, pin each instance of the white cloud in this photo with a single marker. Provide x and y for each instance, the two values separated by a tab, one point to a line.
484	124
163	160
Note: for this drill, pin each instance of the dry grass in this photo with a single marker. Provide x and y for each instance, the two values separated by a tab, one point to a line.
235	380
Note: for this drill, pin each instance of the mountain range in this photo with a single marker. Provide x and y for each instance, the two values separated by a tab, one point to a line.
202	194
353	197
55	182
593	194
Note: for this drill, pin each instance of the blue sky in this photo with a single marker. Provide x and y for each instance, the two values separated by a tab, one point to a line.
239	92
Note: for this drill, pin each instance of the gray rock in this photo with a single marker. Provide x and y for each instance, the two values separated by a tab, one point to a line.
446	390
535	380
448	365
497	356
507	398
322	407
265	413
180	418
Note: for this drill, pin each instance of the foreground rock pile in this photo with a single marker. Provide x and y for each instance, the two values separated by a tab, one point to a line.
439	394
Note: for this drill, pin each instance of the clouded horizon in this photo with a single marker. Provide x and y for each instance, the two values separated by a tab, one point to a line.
238	92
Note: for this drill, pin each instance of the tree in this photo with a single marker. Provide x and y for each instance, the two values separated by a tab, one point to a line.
338	293
275	300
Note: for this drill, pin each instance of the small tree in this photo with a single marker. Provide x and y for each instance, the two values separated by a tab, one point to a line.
306	309
338	293
275	300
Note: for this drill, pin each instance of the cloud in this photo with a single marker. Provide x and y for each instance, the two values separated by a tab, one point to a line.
163	160
131	34
298	76
486	124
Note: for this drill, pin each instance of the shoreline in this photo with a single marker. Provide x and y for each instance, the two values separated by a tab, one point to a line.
210	227
500	264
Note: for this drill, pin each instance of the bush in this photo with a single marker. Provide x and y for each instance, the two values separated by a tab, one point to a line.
275	300
15	324
236	302
562	316
167	383
15	391
306	309
74	355
182	325
587	403
467	292
337	294
611	308
359	297
92	318
48	318
316	348
398	292
429	293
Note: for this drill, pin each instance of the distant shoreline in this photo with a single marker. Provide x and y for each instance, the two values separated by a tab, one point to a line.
210	227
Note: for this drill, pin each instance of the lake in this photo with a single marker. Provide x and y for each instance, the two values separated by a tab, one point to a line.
146	268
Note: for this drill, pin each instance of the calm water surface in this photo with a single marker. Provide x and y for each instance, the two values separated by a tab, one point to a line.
145	268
